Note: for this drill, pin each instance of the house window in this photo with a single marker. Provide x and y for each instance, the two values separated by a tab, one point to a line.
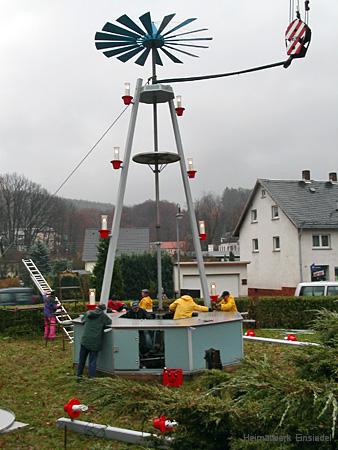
255	245
276	244
274	212
263	193
336	273
321	241
253	215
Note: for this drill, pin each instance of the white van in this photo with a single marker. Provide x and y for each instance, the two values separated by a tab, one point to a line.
317	289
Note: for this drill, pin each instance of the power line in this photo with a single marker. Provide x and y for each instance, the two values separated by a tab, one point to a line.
73	171
90	151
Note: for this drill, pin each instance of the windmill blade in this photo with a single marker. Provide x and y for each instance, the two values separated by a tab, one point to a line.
188	45
146	21
172	57
112	37
143	57
126	21
186	22
190	39
188	32
110	53
164	23
103	45
182	51
127	56
111	28
158	59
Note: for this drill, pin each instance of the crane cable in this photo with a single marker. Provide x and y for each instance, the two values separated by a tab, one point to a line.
2	254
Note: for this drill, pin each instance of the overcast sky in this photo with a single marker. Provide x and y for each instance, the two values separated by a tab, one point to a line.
58	94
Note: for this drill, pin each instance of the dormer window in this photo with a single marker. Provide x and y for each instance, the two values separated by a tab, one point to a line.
274	212
253	215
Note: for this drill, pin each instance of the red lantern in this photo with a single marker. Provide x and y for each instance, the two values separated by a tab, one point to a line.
127	98
163	424
250	333
191	173
116	163
291	337
179	111
104	234
74	408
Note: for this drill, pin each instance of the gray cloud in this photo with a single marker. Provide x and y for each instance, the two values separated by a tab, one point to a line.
58	94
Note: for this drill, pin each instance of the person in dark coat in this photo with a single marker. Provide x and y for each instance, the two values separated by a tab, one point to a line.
136	312
95	322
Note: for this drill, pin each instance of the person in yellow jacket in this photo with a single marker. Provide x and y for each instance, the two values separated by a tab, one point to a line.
227	302
146	301
185	306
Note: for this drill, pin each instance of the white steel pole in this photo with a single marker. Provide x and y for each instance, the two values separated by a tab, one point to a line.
191	212
108	272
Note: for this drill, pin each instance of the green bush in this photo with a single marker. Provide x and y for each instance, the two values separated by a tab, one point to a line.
285	312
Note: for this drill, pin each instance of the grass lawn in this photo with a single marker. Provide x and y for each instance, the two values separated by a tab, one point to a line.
36	381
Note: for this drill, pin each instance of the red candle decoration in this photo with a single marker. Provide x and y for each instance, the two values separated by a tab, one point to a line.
179	111
127	98
291	337
250	333
116	163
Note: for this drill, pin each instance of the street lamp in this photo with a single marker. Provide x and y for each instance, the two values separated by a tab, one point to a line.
179	216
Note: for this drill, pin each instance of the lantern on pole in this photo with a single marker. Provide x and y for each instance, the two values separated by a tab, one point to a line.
116	161
179	108
127	98
213	294
201	226
191	171
104	232
92	295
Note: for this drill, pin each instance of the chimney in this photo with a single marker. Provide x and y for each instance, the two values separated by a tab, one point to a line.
333	177
306	175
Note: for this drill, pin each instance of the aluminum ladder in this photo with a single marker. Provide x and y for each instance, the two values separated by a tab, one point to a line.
61	314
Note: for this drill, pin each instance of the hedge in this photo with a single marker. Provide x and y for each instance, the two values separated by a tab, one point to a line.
269	312
27	321
285	312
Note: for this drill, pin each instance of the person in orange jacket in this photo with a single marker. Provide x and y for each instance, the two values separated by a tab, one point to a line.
226	302
184	307
146	301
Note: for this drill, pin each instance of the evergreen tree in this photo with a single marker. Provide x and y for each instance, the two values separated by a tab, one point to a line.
117	285
40	256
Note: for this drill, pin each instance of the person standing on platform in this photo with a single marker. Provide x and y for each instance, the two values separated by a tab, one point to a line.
185	306
146	301
95	322
226	302
50	306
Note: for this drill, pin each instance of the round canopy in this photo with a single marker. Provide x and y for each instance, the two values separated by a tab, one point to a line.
156	158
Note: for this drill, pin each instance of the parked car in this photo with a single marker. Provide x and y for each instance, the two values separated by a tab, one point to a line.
18	296
317	289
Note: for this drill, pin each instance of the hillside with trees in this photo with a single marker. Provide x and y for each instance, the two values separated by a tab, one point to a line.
29	213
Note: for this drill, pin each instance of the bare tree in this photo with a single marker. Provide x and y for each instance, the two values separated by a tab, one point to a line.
26	209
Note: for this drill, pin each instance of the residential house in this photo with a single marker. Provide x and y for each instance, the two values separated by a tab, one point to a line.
288	231
130	241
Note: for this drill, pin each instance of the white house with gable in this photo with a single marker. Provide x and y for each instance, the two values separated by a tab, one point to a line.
288	231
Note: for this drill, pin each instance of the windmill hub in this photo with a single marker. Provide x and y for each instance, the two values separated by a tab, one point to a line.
151	42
